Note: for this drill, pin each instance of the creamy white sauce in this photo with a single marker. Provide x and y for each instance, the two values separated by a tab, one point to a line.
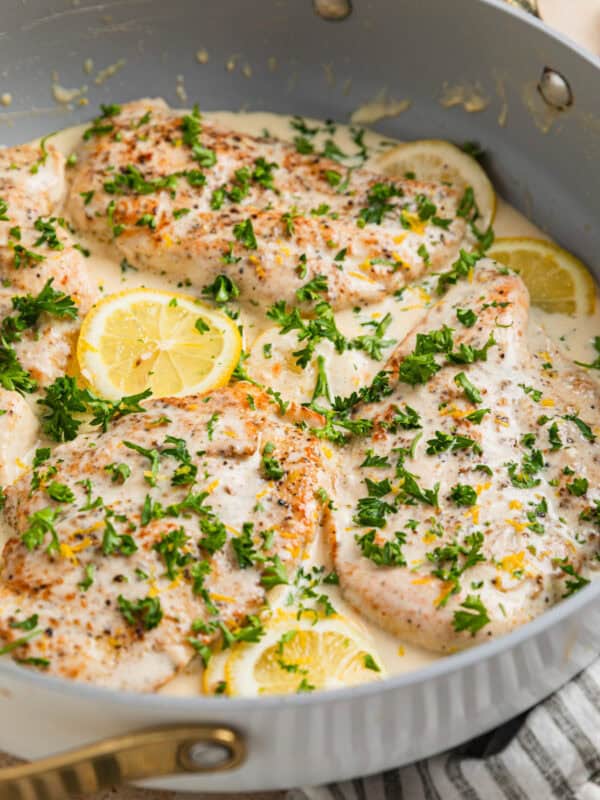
345	372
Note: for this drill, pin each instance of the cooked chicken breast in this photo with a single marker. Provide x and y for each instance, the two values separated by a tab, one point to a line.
35	242
45	348
474	505
18	434
135	548
182	196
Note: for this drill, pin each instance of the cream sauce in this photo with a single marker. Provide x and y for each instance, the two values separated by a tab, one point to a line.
345	372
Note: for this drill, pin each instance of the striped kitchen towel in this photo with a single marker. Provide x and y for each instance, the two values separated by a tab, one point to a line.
551	752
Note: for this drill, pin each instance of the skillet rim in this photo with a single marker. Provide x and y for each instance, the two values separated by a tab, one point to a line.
445	667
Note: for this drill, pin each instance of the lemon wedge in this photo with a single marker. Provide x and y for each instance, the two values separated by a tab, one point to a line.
557	281
442	162
147	338
304	654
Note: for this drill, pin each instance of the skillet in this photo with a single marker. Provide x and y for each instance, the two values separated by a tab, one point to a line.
544	159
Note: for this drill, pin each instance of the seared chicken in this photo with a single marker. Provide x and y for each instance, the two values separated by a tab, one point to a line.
474	505
185	197
18	434
45	348
135	548
36	244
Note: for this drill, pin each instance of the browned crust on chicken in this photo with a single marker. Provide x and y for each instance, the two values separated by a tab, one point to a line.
81	631
300	220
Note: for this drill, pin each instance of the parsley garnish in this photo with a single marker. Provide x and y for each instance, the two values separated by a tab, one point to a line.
60	492
271	466
244	233
101	124
450	554
146	612
373	460
65	400
467	316
378	203
38	525
243	546
373	344
27	624
171	546
221	290
213	530
578	487
274	574
389	554
88	579
463	495
595	364
473	618
114	543
577	581
461	268
584	428
524	478
450	441
129	180
29	309
192	128
13	377
465	384
313	289
153	457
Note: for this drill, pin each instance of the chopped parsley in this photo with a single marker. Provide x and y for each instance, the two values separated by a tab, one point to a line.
388	554
473	618
575	581
39	524
584	428
102	124
467	316
172	548
221	290
191	128
463	495
578	487
244	233
449	566
473	394
270	465
146	613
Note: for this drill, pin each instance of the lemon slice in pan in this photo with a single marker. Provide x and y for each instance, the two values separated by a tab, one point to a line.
557	281
146	338
302	655
442	162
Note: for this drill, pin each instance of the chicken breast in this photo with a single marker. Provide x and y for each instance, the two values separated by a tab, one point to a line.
36	244
18	434
135	548
474	505
183	196
43	349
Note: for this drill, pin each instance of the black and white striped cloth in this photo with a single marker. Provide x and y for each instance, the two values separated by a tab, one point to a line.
551	752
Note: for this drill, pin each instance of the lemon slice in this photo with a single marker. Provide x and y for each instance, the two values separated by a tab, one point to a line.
302	655
146	338
557	281
442	162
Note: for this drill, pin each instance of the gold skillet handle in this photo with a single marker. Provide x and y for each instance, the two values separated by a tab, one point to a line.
173	750
531	6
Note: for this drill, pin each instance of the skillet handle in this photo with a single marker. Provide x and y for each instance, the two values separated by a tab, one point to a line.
172	750
530	6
